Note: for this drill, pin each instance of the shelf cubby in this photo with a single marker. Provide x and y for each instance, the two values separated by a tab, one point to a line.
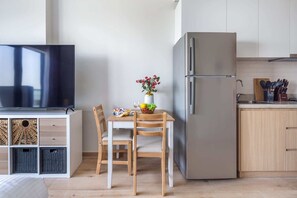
3	131
24	131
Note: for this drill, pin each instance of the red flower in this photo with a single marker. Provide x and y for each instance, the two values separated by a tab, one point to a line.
148	84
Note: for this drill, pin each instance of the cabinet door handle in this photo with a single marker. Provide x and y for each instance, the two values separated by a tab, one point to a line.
294	149
53	125
53	138
291	128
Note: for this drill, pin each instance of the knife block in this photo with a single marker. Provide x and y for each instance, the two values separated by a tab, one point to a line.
282	97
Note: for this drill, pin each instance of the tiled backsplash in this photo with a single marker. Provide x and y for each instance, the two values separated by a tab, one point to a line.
248	70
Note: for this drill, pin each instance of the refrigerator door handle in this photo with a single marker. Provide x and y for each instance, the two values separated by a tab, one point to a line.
192	56
192	96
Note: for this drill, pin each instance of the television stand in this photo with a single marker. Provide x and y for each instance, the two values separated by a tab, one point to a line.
66	110
41	144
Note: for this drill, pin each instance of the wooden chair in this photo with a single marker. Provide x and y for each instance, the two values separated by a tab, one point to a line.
120	137
149	141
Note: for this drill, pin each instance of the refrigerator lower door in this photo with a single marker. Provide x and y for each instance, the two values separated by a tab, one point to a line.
211	127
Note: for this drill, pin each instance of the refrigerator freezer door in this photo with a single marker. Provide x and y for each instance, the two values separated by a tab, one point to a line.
211	53
211	128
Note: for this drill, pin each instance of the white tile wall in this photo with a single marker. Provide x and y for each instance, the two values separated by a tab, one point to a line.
247	70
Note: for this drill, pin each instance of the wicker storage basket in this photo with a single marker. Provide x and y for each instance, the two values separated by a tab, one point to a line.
24	160
3	132
24	131
53	160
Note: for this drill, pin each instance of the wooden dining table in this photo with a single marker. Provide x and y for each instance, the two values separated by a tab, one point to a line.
128	123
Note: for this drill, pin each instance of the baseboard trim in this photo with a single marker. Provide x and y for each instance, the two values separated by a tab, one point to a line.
90	154
258	174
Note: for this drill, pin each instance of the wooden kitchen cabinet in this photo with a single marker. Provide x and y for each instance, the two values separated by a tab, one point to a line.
267	140
274	28
291	141
262	140
243	18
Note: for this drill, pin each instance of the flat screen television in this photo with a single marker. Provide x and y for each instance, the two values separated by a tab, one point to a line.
37	76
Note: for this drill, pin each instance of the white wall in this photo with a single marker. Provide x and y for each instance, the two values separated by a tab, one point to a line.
178	21
22	21
117	42
247	70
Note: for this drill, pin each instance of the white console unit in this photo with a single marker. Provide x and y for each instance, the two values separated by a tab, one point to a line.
40	143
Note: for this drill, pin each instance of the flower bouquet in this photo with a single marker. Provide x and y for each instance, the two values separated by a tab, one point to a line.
149	84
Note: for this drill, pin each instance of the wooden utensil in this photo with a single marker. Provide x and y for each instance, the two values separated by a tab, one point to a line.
258	90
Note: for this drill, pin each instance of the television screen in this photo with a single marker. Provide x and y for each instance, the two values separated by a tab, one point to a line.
37	76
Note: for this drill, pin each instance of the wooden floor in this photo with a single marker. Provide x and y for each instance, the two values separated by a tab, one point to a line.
85	183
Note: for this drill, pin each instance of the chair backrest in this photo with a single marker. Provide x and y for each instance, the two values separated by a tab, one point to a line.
100	121
150	125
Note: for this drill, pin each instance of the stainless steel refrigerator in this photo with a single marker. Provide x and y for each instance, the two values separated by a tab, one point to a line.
204	77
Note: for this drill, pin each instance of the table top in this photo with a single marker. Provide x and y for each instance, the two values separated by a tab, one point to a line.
130	118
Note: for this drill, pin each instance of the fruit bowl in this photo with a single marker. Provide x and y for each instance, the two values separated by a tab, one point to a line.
147	111
147	108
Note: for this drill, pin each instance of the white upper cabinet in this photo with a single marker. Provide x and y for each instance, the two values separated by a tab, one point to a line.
265	28
243	18
293	27
274	28
203	15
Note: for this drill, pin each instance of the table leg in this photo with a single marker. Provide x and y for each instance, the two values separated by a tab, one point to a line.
110	151
170	156
118	154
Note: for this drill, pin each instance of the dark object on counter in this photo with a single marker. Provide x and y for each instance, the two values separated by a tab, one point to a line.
292	99
268	96
282	97
280	91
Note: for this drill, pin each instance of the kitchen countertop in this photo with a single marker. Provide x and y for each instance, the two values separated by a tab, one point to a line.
267	105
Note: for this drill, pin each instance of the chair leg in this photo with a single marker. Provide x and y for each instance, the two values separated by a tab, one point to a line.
99	159
129	156
163	168
134	172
